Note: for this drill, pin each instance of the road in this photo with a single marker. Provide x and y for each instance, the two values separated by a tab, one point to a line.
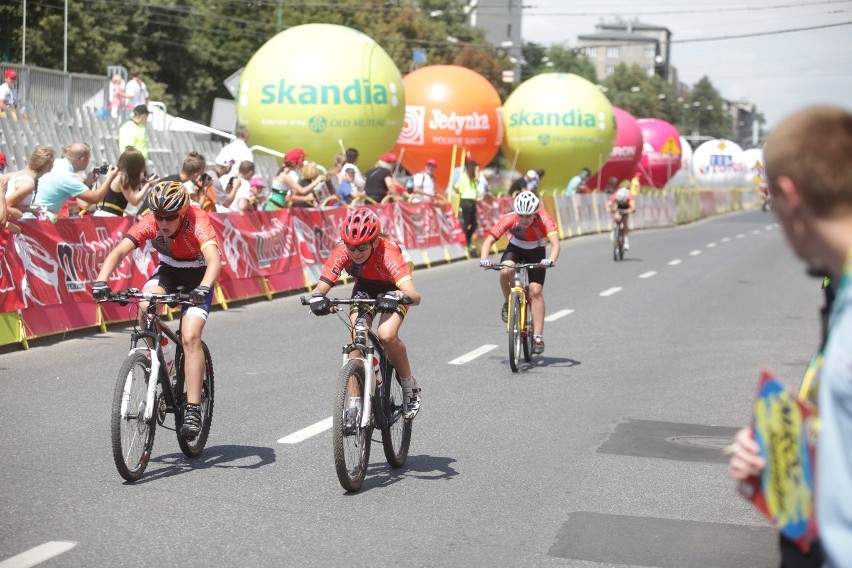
603	452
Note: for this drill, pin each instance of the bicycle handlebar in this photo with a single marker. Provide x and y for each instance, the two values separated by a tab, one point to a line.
152	297
356	301
518	266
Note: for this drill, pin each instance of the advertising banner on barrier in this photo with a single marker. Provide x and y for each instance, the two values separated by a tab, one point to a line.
11	275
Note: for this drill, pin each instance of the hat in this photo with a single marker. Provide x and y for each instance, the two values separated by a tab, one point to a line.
390	157
223	162
532	174
11	74
257	181
141	109
431	162
2	159
295	156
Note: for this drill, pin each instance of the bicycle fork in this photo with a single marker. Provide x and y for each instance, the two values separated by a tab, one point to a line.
523	306
369	383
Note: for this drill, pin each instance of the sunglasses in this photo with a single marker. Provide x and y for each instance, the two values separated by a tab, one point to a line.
166	218
359	248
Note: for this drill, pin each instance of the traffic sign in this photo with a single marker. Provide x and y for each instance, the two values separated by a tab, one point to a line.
670	147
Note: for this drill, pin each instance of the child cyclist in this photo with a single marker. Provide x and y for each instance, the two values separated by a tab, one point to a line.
622	204
189	257
380	271
529	228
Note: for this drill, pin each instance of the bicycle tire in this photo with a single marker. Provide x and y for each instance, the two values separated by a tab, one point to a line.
351	447
528	334
194	447
397	436
616	241
132	437
514	331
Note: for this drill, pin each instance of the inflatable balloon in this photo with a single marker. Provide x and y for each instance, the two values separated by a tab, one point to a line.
661	152
559	122
625	154
319	87
753	164
683	177
718	163
448	106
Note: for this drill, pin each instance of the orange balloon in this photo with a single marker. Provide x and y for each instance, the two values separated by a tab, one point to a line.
447	106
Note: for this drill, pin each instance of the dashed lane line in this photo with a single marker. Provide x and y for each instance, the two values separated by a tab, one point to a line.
741	236
694	253
471	355
304	433
711	245
755	232
647	274
675	262
38	554
610	291
726	239
558	315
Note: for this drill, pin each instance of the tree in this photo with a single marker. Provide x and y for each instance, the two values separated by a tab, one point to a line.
705	113
631	89
555	59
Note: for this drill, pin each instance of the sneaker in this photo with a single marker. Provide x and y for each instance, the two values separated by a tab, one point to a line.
505	313
412	402
538	345
191	422
626	244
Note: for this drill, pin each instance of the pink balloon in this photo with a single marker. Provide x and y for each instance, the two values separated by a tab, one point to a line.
626	152
661	152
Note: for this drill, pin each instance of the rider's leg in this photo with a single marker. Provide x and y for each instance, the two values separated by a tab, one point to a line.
388	333
537	307
154	287
193	355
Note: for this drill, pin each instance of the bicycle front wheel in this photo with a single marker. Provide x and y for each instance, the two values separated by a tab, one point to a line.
528	334
132	436
514	331
397	436
351	441
616	240
194	447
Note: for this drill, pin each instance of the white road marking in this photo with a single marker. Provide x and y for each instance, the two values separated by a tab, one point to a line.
305	433
557	315
726	239
755	232
647	274
675	262
768	227
38	554
610	291
695	253
740	236
470	356
711	245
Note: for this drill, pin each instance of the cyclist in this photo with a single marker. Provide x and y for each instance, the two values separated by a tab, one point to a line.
530	228
381	272
189	257
621	204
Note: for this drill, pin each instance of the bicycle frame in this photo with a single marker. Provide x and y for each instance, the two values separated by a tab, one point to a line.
522	286
367	349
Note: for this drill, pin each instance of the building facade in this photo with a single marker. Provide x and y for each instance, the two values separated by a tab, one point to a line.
631	43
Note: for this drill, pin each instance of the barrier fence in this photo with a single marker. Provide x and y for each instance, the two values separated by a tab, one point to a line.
47	272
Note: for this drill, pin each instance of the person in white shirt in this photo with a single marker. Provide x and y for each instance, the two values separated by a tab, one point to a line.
239	186
424	182
135	93
237	151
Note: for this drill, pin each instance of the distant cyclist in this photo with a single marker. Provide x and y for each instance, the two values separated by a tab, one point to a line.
189	257
381	272
622	204
530	228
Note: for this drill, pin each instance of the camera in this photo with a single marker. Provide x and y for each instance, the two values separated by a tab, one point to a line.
101	170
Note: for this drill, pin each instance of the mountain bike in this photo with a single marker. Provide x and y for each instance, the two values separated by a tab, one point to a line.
619	225
366	369
519	324
151	384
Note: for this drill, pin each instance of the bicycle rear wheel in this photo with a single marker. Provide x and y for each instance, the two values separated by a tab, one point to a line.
528	334
514	331
132	436
351	441
397	436
194	447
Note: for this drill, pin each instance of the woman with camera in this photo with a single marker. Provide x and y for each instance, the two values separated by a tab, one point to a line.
128	187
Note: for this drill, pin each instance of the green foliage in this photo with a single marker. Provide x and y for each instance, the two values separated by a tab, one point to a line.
631	89
555	59
705	113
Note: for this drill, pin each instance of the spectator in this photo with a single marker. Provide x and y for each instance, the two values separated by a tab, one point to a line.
809	172
312	180
635	185
286	189
347	191
351	163
2	163
239	188
392	160
483	182
237	151
527	182
62	182
219	173
9	91
127	187
19	186
424	182
132	133
378	181
577	184
189	175
116	97
335	175
611	185
466	188
135	93
258	192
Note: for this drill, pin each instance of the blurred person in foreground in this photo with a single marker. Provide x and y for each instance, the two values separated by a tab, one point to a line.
808	161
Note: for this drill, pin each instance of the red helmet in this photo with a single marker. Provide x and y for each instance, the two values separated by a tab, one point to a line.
360	227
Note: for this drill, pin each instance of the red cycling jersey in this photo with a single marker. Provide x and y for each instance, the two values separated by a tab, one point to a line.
385	264
622	205
534	236
184	250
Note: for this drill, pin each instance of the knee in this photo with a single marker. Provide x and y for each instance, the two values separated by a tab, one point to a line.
536	294
190	339
389	340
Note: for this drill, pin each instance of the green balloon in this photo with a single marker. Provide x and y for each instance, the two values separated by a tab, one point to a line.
319	87
559	122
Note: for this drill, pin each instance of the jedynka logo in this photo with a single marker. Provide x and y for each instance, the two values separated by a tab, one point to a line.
458	122
359	92
573	117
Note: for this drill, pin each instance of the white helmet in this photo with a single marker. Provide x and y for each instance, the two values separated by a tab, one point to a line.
622	195
526	203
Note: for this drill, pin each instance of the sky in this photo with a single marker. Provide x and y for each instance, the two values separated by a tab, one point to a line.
778	72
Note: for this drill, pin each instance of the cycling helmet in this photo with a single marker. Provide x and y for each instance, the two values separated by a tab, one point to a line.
526	203
622	195
360	227
168	198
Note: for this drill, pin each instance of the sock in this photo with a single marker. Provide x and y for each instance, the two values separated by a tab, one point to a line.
409	383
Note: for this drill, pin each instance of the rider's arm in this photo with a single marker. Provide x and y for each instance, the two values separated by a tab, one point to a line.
214	265
123	248
322	288
410	290
3	212
554	246
486	246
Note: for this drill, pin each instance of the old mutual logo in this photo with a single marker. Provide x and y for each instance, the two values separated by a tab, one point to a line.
574	118
358	92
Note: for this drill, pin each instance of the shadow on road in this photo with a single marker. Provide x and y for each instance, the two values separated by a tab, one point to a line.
542	361
226	456
429	468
